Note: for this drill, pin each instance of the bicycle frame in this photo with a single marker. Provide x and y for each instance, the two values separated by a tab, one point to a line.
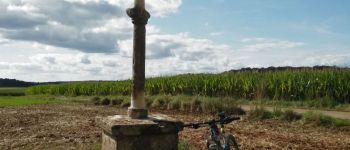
215	135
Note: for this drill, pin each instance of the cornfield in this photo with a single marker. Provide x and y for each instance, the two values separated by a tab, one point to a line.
304	84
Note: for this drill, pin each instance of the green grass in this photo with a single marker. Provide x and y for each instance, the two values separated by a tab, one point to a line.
321	104
97	146
318	118
184	145
260	113
311	117
25	100
12	91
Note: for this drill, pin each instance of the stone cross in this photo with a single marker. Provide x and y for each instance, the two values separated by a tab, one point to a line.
138	131
139	16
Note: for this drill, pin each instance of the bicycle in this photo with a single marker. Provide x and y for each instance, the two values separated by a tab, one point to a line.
218	139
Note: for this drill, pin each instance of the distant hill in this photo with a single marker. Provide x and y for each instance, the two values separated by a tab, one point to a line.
15	83
285	68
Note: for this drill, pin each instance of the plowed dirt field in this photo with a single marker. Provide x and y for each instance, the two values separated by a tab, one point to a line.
72	126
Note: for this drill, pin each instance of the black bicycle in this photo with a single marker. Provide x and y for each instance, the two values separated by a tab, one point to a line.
218	139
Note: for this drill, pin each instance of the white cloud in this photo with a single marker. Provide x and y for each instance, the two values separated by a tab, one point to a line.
4	66
180	46
84	25
262	44
216	33
327	59
166	54
68	66
158	8
252	40
163	7
3	41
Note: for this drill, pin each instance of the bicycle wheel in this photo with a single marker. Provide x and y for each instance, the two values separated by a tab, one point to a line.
230	142
212	145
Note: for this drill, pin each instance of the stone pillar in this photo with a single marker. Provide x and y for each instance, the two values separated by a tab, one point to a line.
138	131
139	18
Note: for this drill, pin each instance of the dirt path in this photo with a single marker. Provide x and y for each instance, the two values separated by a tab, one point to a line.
336	114
72	126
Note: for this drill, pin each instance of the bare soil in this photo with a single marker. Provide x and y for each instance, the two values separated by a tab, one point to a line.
72	126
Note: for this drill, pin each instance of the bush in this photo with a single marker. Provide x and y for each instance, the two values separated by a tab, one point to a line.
105	101
185	106
160	102
211	105
96	100
117	101
174	104
215	105
231	108
260	113
324	102
318	118
148	101
157	103
125	104
196	105
290	115
277	112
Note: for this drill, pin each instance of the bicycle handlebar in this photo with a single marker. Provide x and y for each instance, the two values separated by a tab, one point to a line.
226	120
230	119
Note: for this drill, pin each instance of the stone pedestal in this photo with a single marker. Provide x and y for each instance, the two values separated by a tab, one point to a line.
157	132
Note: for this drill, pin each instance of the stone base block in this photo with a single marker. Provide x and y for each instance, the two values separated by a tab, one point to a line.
157	132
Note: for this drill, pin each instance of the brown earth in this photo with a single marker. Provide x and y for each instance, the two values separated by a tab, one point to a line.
72	126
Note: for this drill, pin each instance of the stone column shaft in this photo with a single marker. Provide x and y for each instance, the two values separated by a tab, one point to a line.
138	75
139	3
139	18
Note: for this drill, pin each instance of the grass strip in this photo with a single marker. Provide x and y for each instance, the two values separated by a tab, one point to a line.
24	100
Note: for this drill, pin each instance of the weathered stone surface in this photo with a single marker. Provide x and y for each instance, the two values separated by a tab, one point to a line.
137	113
108	143
125	133
124	125
139	17
142	142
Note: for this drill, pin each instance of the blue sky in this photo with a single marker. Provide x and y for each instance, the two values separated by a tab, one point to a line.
64	40
320	23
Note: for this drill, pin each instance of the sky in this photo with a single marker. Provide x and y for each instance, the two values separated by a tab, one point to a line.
74	40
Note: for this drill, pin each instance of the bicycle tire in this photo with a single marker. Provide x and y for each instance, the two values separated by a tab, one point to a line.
212	145
231	142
